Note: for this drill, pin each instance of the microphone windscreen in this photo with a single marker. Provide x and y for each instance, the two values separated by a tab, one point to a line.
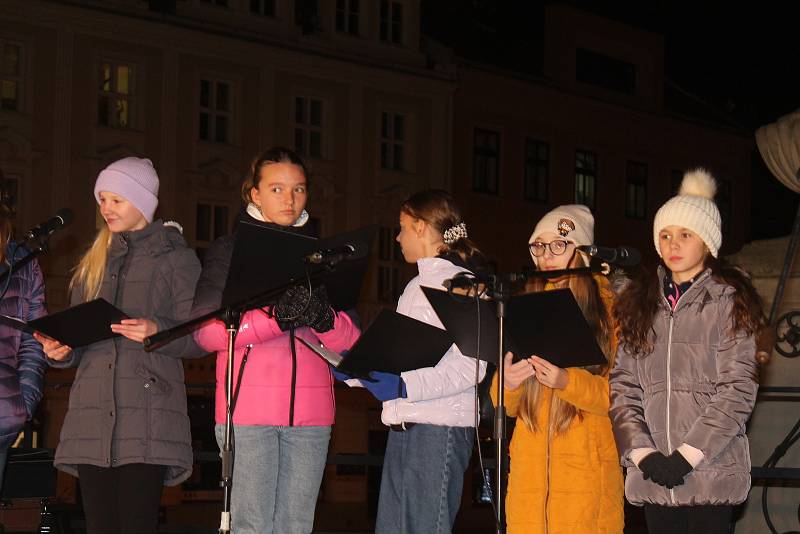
66	215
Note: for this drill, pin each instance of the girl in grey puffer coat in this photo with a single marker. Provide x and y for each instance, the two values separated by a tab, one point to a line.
685	379
126	432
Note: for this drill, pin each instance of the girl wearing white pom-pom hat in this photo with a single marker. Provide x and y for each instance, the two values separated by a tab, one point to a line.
685	378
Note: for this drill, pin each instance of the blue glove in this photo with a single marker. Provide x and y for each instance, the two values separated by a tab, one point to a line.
340	376
385	386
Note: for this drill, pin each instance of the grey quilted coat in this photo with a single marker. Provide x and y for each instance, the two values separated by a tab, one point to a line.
126	405
697	387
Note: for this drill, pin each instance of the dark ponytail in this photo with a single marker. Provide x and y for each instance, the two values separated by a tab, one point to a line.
438	208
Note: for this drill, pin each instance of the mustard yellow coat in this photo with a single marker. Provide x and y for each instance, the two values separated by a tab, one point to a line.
570	483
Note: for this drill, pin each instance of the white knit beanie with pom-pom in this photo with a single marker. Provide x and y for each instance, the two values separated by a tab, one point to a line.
693	208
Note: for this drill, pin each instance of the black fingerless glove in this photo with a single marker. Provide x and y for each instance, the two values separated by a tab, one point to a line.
295	309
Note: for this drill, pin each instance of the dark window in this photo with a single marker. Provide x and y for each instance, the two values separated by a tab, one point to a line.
308	128
537	170
605	71
306	15
636	190
347	12
265	8
486	161
393	137
9	190
391	22
390	258
10	75
211	222
214	119
585	178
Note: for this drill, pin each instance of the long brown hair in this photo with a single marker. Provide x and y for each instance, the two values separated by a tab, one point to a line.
438	208
587	292
636	307
273	155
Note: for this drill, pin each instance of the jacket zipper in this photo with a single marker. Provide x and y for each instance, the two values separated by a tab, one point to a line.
547	480
123	271
669	393
669	365
294	377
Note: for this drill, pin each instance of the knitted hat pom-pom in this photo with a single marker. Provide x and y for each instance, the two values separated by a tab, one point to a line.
699	183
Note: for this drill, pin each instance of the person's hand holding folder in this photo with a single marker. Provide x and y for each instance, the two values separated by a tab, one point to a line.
548	374
53	349
135	329
385	386
516	373
545	372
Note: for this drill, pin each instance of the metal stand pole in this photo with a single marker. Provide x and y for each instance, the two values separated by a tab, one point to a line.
232	325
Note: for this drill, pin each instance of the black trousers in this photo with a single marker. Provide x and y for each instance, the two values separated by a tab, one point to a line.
121	500
688	519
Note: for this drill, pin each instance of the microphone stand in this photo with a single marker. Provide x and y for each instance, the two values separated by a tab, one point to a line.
498	288
231	315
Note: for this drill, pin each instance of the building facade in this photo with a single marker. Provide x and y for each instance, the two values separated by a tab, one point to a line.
594	127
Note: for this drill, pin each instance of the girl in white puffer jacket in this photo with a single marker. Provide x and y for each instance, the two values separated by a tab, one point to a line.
430	411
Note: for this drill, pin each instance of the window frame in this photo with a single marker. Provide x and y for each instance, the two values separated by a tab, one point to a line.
486	159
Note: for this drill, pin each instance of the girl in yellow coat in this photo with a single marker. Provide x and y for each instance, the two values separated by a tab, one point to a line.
564	475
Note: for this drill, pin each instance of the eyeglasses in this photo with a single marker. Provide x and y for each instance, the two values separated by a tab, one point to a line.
557	247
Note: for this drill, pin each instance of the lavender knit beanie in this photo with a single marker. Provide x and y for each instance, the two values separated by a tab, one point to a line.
134	179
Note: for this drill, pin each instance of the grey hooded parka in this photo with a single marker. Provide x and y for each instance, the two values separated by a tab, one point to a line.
127	405
698	387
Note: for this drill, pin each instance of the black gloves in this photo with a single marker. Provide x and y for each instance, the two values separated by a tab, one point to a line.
667	471
295	309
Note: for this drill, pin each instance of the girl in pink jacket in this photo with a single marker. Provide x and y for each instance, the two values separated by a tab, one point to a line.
284	402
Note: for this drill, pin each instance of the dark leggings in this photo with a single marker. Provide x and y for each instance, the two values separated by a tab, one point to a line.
688	519
121	500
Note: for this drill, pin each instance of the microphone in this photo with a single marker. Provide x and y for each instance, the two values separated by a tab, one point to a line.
624	256
62	218
348	251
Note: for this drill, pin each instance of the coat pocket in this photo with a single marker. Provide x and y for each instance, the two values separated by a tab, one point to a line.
153	383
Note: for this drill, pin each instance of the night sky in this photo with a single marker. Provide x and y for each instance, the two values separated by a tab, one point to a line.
741	60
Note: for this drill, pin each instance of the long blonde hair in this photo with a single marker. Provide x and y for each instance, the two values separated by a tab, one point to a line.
587	293
88	274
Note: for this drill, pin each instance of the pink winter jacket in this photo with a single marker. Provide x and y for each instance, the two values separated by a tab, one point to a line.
266	395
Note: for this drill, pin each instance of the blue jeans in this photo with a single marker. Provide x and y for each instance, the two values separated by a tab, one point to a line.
422	480
277	471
